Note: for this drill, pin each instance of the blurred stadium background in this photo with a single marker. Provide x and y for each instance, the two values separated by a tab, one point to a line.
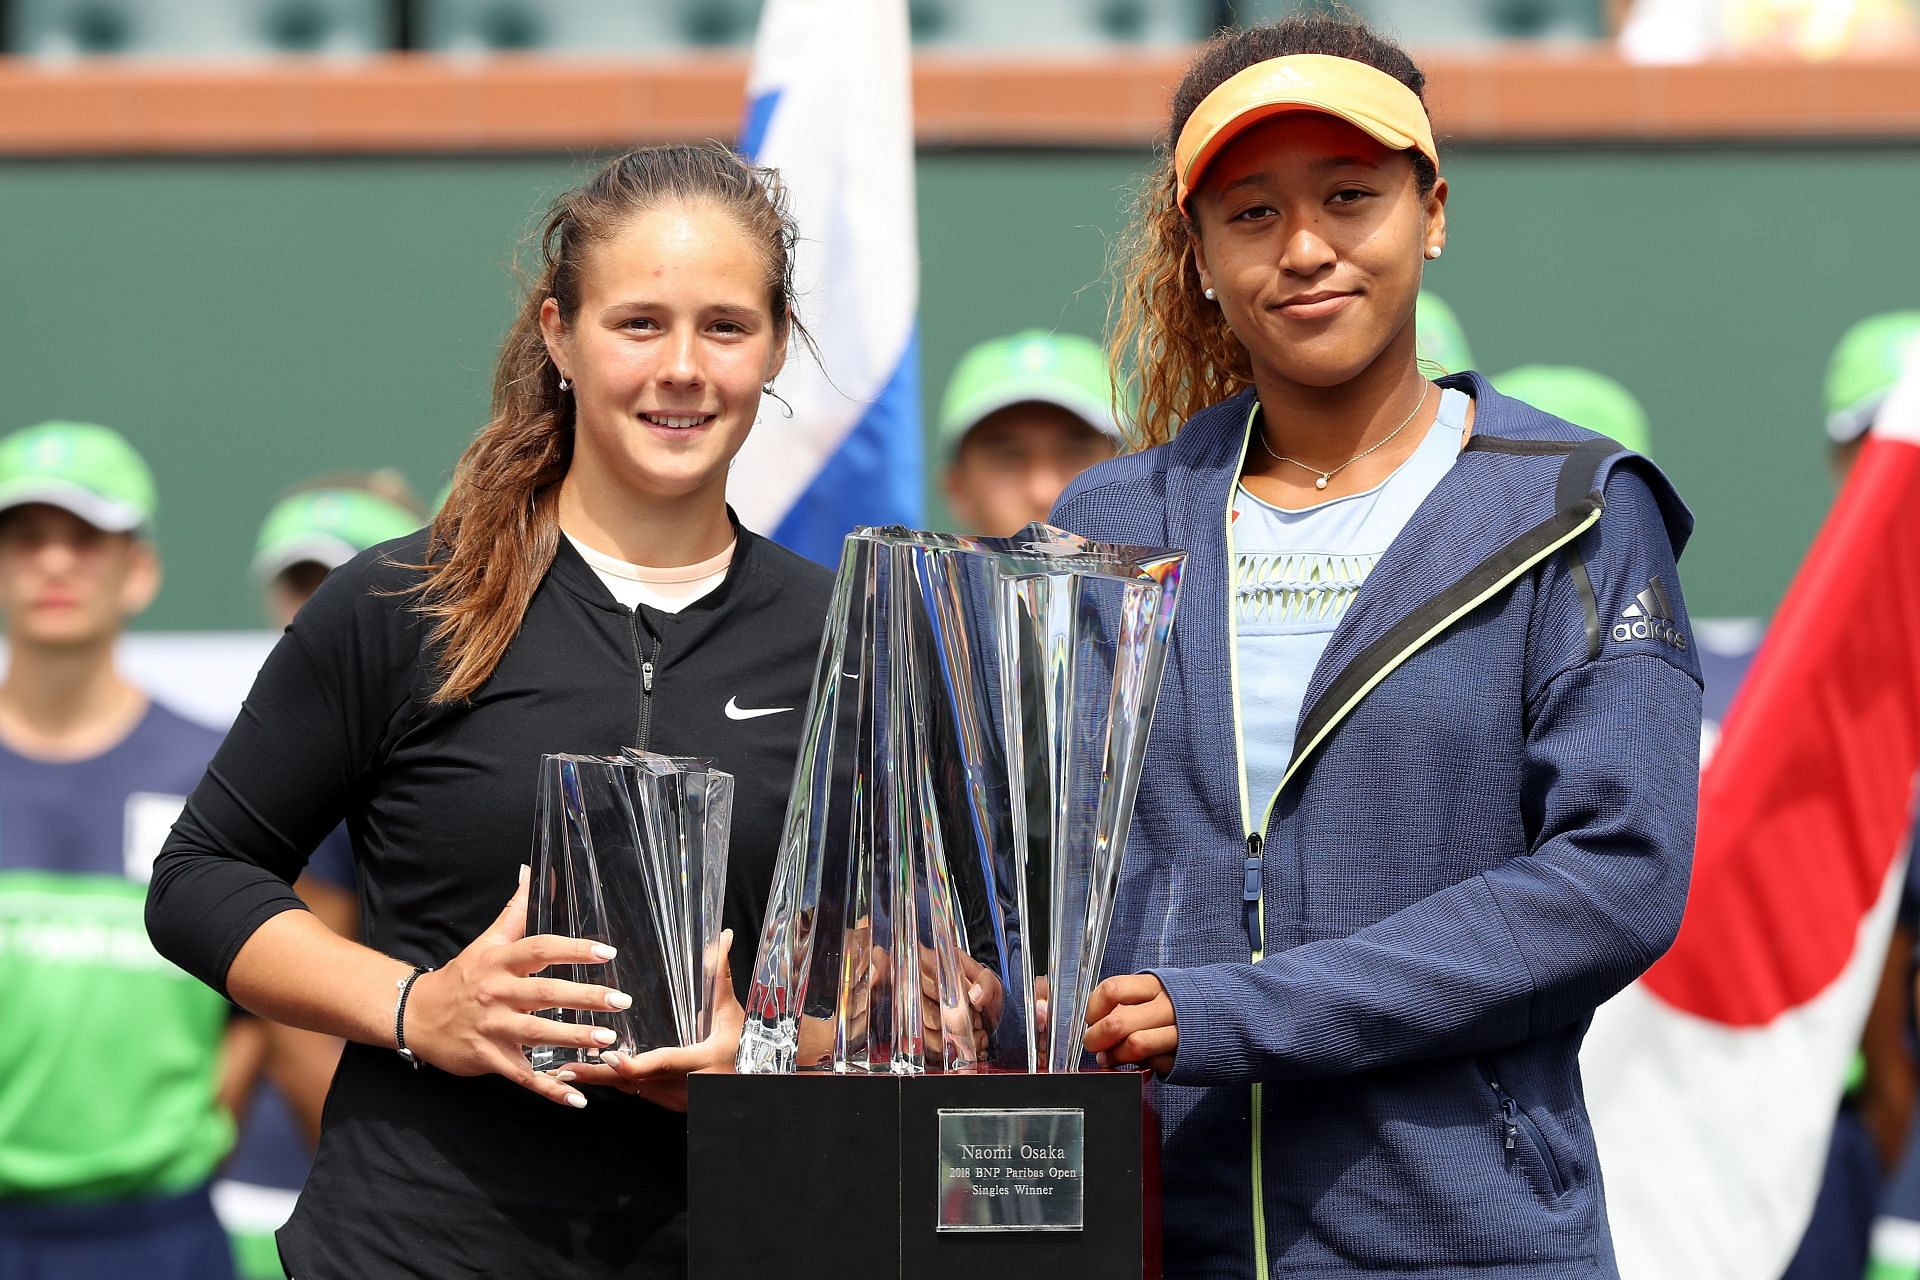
272	238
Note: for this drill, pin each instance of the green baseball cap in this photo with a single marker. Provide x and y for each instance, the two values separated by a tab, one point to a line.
1864	368
88	470
1584	398
1438	337
1061	369
327	527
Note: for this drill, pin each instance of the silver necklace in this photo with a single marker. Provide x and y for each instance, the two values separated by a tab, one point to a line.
1325	476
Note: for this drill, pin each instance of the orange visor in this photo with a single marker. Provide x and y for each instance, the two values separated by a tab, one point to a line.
1366	98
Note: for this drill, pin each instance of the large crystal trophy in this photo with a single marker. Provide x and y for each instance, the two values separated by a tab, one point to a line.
959	812
939	908
631	850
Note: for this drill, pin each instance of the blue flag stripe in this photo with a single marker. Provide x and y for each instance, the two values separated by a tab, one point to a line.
874	477
753	129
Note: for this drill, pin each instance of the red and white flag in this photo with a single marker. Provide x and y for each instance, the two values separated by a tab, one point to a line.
1713	1080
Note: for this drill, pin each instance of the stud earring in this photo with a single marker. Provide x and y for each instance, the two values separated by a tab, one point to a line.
1433	251
1211	296
564	384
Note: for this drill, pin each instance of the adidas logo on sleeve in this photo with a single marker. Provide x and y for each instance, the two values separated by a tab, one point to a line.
1650	617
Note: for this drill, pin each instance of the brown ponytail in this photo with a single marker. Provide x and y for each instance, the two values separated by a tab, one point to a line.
492	543
1164	334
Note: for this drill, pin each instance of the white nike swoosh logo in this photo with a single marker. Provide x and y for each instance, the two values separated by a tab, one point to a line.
737	712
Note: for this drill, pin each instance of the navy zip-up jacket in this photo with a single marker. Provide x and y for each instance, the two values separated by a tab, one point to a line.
1383	974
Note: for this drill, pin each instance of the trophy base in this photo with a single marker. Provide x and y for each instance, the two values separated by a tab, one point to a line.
929	1177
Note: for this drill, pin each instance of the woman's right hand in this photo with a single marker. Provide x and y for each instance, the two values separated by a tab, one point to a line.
471	1017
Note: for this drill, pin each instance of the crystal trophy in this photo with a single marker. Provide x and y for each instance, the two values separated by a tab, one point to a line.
959	810
631	850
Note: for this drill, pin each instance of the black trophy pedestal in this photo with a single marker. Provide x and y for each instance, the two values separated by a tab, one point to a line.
802	1176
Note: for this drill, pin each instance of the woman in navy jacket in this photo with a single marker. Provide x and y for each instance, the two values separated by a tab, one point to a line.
1421	789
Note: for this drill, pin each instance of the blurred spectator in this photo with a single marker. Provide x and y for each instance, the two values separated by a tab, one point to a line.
1591	399
1439	340
1863	369
323	524
1022	416
1669	31
309	533
118	1072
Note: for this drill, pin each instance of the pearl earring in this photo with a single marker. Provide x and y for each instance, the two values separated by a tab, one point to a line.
1211	295
1433	251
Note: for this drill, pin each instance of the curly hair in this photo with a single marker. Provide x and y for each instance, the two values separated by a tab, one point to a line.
1177	349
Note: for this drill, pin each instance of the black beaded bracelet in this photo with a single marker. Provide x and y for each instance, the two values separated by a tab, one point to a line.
400	1014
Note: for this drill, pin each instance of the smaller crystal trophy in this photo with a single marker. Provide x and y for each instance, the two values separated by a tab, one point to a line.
631	850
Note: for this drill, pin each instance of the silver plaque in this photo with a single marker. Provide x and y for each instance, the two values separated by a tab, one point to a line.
1012	1170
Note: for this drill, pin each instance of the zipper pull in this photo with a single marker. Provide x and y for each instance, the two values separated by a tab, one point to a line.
1250	891
1510	1109
646	677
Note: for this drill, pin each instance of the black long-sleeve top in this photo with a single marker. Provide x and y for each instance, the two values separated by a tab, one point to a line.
420	1173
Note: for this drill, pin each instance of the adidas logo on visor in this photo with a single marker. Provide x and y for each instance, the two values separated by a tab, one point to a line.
1650	617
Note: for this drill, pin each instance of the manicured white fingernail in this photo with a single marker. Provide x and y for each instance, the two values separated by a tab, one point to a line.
619	1000
601	951
977	993
603	1035
526	873
610	1058
564	1076
576	1099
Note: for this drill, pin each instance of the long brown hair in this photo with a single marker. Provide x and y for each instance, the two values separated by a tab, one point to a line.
494	539
1165	335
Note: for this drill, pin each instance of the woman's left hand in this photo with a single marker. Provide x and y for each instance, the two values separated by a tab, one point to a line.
1130	1019
660	1075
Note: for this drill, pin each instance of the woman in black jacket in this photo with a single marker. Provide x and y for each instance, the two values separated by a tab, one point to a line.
585	588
